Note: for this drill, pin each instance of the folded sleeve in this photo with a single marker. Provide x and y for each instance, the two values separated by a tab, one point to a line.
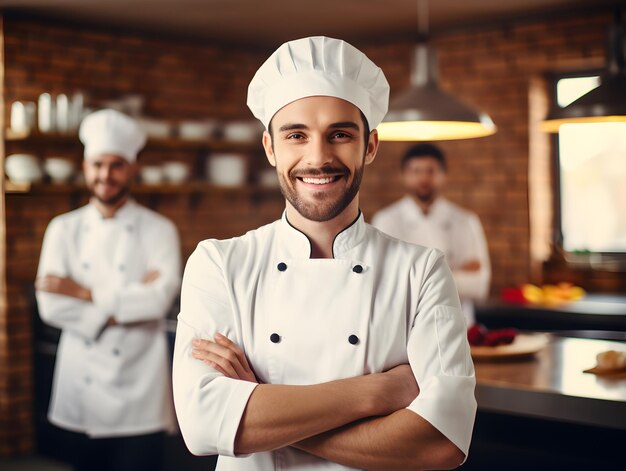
439	356
65	312
209	406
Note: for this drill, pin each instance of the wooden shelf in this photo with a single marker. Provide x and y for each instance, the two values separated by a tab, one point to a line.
194	188
190	187
153	142
10	187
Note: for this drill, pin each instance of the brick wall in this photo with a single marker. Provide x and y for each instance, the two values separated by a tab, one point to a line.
491	67
495	68
181	80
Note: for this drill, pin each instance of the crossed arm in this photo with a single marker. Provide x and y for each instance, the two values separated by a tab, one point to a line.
374	421
66	304
375	432
67	286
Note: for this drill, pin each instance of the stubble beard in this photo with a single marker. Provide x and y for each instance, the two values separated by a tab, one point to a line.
112	200
321	210
425	197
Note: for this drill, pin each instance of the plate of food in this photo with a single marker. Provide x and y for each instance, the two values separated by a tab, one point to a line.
610	363
504	343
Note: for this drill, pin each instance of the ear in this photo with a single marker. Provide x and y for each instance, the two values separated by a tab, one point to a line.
133	169
269	149
372	147
85	166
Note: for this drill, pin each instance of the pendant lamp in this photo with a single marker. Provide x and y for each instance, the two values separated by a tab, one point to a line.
605	103
425	112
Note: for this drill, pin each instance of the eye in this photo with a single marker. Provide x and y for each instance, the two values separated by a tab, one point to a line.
295	136
341	135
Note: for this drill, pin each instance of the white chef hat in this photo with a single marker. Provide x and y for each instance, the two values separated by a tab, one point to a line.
111	132
318	66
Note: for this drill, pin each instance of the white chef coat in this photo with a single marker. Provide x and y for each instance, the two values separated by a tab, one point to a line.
111	381
455	231
397	300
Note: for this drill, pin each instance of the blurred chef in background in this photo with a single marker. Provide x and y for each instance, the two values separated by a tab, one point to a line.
108	274
426	218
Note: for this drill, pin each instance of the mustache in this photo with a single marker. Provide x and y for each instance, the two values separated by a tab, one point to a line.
108	182
318	172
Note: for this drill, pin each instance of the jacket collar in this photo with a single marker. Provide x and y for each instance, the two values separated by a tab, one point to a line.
438	209
297	244
126	214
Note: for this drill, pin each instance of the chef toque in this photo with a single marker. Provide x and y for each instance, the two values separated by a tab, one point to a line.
111	132
318	66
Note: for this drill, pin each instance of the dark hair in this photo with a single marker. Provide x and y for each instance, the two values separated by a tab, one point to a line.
423	150
366	130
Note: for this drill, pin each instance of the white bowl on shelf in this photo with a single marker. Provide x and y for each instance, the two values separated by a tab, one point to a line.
155	127
23	168
152	174
59	170
241	131
226	169
175	172
197	130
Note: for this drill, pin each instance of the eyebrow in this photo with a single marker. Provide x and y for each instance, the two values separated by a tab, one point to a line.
292	126
344	125
339	125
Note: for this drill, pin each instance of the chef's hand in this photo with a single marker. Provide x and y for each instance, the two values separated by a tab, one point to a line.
397	388
224	356
151	276
62	285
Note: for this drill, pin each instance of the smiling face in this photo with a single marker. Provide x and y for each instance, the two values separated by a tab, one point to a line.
424	177
108	178
318	147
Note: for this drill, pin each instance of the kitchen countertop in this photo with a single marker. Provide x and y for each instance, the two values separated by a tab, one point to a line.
552	385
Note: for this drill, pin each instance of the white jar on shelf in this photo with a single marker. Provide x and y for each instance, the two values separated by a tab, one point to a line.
22	116
46	113
62	113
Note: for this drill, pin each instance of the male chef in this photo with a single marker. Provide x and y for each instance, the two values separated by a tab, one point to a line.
108	274
425	217
317	341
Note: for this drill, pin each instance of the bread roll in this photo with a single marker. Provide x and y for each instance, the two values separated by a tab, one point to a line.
611	360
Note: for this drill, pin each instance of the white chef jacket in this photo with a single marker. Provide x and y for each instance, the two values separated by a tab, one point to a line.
455	231
397	299
111	381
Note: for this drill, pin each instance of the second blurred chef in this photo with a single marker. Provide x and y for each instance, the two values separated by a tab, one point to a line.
426	218
108	274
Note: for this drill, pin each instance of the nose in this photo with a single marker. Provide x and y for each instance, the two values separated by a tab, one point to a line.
104	172
318	153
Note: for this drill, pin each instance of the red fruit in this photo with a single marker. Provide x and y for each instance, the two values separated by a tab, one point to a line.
476	334
513	295
500	337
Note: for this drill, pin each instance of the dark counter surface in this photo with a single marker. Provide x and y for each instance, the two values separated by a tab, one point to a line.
552	385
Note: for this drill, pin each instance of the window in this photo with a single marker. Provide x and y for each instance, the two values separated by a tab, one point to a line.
592	170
